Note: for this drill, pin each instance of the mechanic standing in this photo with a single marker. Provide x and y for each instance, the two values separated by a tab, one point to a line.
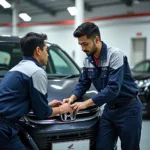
23	88
107	68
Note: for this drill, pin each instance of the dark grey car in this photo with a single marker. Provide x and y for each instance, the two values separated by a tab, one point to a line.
141	73
62	132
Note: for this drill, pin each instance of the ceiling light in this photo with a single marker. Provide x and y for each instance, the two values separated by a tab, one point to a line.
5	4
25	16
72	11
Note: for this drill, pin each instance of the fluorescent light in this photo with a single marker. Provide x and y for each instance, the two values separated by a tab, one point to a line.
5	4
72	11
25	16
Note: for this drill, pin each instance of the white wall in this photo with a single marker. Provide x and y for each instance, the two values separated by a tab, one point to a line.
120	35
61	35
116	33
5	31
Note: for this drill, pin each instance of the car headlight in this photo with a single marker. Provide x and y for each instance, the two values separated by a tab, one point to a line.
143	83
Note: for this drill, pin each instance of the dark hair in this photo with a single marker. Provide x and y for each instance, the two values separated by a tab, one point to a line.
88	28
30	41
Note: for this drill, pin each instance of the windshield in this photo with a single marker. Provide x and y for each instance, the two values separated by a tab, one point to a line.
59	64
142	67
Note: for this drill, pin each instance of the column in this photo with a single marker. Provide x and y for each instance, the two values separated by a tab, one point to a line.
15	7
79	19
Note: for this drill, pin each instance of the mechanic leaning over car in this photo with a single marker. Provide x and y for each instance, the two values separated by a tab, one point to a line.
23	88
107	68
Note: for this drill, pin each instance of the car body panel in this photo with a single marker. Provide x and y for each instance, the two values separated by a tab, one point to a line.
64	87
141	73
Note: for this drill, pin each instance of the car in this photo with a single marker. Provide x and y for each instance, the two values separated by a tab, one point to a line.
66	131
141	74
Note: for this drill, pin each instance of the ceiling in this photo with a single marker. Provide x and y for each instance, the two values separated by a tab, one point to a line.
56	7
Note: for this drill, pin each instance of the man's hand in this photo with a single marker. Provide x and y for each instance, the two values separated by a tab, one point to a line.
62	109
65	108
78	106
55	103
82	105
68	100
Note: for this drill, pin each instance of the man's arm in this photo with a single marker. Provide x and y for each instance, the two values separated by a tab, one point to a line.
39	100
38	94
83	84
113	87
115	79
79	90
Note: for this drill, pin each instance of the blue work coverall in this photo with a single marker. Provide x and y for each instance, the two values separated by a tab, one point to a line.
122	115
23	88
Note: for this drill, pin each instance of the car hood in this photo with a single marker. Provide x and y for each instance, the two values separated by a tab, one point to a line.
60	89
141	75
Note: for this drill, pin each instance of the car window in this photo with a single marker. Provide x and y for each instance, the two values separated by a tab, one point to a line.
142	67
10	55
62	64
58	64
4	58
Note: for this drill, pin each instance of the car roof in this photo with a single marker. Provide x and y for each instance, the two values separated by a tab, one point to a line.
10	39
145	60
16	39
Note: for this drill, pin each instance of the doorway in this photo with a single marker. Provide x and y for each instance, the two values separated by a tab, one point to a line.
138	52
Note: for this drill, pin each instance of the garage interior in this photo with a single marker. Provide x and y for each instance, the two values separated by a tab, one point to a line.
122	23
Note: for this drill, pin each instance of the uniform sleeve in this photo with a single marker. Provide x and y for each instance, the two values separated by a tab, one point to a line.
83	84
38	95
115	79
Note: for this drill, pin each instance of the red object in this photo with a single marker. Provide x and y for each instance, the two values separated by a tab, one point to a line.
96	60
70	22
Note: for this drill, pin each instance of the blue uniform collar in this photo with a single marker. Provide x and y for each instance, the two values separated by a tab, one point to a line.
32	59
103	54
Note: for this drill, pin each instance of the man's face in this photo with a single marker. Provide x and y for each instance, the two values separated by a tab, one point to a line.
88	45
44	56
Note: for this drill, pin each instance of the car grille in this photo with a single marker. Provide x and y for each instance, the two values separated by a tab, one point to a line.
82	115
44	141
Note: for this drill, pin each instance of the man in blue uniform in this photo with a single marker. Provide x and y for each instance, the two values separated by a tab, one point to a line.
107	68
23	88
